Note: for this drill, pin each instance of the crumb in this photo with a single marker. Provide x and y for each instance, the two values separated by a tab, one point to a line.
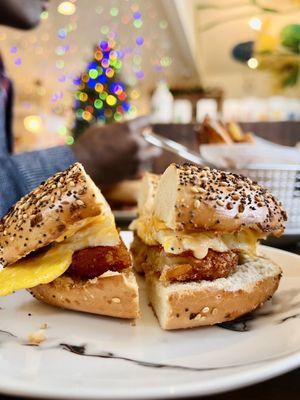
37	337
133	323
44	326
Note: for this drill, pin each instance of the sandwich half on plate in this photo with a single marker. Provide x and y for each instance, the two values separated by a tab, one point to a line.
195	239
60	242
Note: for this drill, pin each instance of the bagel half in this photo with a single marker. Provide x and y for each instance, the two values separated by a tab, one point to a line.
200	303
112	294
61	243
196	242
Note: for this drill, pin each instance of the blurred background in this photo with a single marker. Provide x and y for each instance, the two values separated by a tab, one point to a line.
241	56
210	73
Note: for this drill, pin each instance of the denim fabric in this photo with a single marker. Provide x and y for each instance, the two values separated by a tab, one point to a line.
21	173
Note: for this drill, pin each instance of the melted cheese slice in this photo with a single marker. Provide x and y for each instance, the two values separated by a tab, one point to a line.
153	232
46	267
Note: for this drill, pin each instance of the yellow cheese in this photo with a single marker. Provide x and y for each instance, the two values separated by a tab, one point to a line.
44	268
154	232
33	271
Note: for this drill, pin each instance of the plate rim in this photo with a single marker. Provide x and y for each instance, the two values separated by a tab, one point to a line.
267	370
186	390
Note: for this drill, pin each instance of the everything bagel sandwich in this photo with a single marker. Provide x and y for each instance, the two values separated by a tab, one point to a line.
60	242
195	239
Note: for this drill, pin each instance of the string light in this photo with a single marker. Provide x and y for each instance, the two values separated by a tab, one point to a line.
109	72
163	24
69	140
134	94
140	74
114	11
103	95
60	64
137	23
62	33
87	115
98	103
99	87
139	41
44	15
125	19
137	15
93	73
105	62
165	61
33	123
104	29
111	100
62	130
255	23
66	8
137	59
100	97
252	63
99	10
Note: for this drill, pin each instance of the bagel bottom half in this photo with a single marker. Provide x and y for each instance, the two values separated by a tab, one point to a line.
113	294
191	304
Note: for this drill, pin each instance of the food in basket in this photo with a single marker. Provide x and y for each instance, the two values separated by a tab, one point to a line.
195	239
212	131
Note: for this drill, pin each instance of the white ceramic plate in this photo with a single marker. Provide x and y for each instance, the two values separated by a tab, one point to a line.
123	361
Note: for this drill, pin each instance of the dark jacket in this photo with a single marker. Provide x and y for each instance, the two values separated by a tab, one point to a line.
20	173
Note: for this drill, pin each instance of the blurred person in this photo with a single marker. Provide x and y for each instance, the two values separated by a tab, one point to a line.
109	153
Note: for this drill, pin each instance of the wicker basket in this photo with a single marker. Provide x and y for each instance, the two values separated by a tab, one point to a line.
284	182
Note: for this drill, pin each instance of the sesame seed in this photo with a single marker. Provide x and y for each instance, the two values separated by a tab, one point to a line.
205	310
197	204
116	300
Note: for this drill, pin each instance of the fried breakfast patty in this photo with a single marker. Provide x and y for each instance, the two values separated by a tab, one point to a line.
182	267
94	261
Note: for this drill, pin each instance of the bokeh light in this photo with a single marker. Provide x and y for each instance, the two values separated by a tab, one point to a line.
255	23
60	64
114	11
93	73
252	63
163	24
104	29
111	100
44	15
139	41
66	8
33	123
137	23
69	140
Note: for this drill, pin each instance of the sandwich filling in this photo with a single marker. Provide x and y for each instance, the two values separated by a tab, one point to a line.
86	250
154	232
182	267
180	256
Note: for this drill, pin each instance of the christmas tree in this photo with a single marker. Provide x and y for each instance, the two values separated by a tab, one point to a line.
101	96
